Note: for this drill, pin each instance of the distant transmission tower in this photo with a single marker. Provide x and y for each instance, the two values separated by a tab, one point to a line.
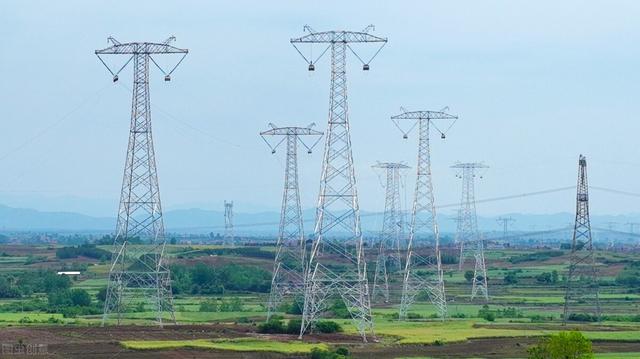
289	264
338	213
423	249
505	221
138	271
582	280
468	236
229	235
611	243
391	242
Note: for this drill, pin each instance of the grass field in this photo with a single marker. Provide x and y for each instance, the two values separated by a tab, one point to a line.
240	345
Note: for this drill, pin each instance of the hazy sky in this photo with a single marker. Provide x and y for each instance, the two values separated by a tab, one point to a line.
535	83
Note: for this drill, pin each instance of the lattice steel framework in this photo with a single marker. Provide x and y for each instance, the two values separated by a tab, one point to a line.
289	263
505	221
581	293
229	238
391	242
468	236
137	269
338	213
423	249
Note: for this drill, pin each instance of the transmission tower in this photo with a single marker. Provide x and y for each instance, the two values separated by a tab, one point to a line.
505	221
611	243
338	214
138	271
423	249
289	263
229	235
468	236
582	279
389	259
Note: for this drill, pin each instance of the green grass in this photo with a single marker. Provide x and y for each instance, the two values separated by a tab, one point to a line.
461	330
617	355
241	345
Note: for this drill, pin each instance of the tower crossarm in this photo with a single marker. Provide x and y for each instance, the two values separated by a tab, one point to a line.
426	115
386	165
283	131
148	48
328	37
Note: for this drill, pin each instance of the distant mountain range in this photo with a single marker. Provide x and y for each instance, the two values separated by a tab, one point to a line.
204	221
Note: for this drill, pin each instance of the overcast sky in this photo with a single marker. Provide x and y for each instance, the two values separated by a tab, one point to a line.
534	83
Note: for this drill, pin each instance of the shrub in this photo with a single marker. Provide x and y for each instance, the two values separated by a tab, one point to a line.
511	278
582	317
468	275
293	327
80	297
565	345
328	326
272	326
340	353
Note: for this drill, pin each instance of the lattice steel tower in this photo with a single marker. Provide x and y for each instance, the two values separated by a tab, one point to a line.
581	293
229	238
505	221
137	268
423	249
338	214
391	242
467	234
289	263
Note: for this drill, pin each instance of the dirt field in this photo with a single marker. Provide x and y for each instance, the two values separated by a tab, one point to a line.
96	342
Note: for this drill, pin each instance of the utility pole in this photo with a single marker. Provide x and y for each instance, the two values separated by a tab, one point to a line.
582	280
632	227
389	245
289	264
468	236
423	249
137	269
611	243
505	225
338	212
229	234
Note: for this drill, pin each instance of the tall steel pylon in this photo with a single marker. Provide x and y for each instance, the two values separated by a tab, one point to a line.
229	238
391	242
338	213
467	234
289	264
137	269
581	293
423	249
505	221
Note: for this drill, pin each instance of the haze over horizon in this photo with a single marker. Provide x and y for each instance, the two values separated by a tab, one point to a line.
533	90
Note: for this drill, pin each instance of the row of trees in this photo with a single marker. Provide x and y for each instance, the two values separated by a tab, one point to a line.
205	279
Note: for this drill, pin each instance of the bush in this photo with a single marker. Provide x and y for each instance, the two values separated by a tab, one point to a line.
272	326
564	345
208	306
339	310
468	275
293	327
328	326
511	278
85	250
7	290
339	353
80	298
582	317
